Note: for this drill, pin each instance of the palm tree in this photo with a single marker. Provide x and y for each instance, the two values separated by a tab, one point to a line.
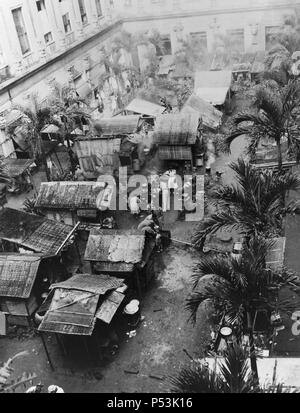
275	119
233	376
35	118
239	288
255	205
69	111
7	383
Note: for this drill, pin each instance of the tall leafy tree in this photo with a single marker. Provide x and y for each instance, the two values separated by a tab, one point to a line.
35	117
70	111
253	206
275	118
233	376
239	288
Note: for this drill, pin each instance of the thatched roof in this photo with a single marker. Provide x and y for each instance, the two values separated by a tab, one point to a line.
32	231
212	86
68	195
118	125
144	107
75	305
17	274
211	117
15	167
176	129
115	246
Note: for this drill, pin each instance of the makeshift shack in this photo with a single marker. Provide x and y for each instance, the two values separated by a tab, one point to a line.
118	126
258	66
241	71
71	202
214	86
82	306
23	280
144	108
166	66
98	155
8	146
19	172
176	135
121	253
21	231
181	72
210	116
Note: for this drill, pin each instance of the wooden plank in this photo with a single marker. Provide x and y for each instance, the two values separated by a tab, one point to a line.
109	307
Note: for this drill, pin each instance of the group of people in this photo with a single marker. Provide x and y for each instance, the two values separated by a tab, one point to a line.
151	226
53	388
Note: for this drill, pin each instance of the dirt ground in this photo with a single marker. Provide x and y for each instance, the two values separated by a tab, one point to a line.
155	350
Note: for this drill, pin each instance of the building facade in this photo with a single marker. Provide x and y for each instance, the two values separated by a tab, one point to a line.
42	41
249	23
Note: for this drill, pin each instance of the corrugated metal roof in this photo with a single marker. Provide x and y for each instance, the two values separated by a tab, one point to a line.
15	167
144	107
211	117
115	246
68	195
175	153
73	309
95	154
212	86
118	125
176	129
17	274
98	284
32	231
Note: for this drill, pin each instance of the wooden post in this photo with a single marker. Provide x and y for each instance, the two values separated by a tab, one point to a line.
46	351
138	283
78	253
61	168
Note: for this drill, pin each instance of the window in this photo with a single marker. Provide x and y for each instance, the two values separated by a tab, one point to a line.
199	39
40	4
99	8
21	30
67	23
236	37
111	3
82	11
271	35
128	3
48	38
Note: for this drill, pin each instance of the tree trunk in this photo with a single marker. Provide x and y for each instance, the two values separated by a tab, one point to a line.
278	143
70	152
44	160
252	348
